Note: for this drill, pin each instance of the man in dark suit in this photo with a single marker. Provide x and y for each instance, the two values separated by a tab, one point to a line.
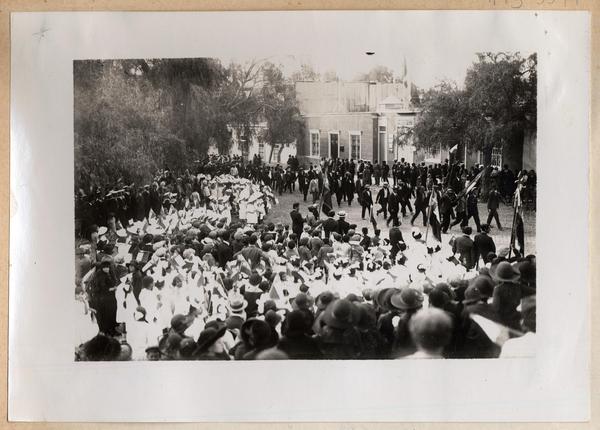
223	251
395	236
421	203
394	207
366	200
464	246
446	211
493	204
330	224
472	209
382	198
297	219
342	225
484	244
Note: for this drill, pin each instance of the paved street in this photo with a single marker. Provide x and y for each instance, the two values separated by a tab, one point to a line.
281	212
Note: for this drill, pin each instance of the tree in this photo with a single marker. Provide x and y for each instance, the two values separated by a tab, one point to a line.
378	74
330	76
280	107
495	108
415	97
133	117
306	73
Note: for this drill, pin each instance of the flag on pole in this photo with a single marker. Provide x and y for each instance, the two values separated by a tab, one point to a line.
453	149
471	185
434	216
518	232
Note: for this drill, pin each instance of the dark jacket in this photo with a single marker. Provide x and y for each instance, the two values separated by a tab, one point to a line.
297	221
382	196
329	225
484	244
366	198
493	200
343	226
465	247
300	346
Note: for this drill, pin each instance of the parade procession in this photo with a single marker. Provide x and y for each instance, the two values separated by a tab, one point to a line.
221	262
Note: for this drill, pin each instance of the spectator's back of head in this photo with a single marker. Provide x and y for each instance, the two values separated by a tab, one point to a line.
431	329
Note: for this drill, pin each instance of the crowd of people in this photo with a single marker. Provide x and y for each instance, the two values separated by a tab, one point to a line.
187	268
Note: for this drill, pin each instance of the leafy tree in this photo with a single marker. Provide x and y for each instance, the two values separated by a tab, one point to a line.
378	74
330	76
280	107
133	117
306	73
495	108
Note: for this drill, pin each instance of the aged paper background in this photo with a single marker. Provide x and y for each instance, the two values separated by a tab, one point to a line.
4	131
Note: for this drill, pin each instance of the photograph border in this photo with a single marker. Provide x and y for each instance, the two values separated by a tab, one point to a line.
270	5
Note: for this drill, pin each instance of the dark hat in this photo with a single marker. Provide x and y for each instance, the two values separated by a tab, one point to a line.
382	297
444	286
484	284
438	298
187	347
527	269
354	298
324	299
295	323
341	314
255	279
179	323
368	316
504	272
260	331
472	295
407	299
208	337
302	301
272	318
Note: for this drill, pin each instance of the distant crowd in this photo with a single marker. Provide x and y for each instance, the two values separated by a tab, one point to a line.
186	268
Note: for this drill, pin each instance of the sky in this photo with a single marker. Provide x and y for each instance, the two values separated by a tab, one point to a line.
436	46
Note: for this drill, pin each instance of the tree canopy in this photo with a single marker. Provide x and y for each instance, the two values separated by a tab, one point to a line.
495	107
133	117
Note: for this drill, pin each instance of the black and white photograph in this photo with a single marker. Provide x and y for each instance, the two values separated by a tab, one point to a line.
271	209
343	202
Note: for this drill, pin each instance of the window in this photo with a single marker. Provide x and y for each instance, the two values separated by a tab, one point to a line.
261	150
315	143
355	145
496	157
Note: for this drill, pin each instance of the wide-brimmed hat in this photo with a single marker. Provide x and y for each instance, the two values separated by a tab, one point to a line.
341	314
341	214
238	304
407	299
484	284
472	295
208	337
527	270
505	272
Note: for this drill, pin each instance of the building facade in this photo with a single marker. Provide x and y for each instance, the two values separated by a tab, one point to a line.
355	120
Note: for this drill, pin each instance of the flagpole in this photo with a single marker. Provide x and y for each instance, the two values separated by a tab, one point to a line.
428	214
514	221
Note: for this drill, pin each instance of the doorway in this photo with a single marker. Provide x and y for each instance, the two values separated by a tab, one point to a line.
333	145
